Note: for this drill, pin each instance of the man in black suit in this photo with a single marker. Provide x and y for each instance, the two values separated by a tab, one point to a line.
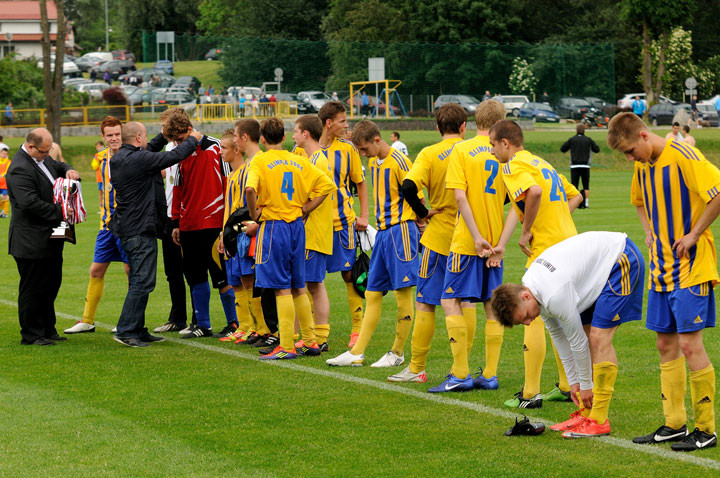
39	258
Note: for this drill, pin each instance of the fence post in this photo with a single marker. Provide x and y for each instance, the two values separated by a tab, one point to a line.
85	115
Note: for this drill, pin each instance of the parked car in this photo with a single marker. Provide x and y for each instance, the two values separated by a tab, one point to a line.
597	103
664	113
249	90
74	83
538	112
166	66
115	67
469	103
708	113
191	83
139	96
179	98
123	55
95	90
213	54
513	103
571	107
314	100
709	101
626	101
373	102
70	69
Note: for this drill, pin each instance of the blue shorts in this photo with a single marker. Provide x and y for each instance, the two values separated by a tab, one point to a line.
99	186
280	255
343	256
3	192
621	299
237	266
315	266
681	310
108	248
468	278
431	277
247	263
394	259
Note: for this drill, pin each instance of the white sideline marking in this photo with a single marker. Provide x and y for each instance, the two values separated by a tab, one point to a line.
477	407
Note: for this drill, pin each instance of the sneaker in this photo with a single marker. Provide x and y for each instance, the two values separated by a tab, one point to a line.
311	351
279	353
132	342
588	428
233	337
353	339
520	402
168	327
80	327
186	330
390	359
557	395
407	376
253	338
245	338
113	330
324	347
485	383
227	331
299	344
695	440
662	435
454	384
267	340
197	331
346	359
575	420
148	338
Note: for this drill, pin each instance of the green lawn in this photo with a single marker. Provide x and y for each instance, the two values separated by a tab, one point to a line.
205	71
90	407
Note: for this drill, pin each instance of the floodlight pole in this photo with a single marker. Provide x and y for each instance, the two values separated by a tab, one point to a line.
107	28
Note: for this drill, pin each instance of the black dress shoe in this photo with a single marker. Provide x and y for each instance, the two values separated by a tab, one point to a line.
40	341
149	338
131	342
57	338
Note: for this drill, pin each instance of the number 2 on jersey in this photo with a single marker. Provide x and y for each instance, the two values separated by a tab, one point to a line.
556	188
494	168
287	185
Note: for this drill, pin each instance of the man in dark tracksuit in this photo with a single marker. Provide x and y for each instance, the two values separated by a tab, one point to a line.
580	147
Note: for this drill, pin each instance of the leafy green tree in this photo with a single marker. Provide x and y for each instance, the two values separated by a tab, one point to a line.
21	82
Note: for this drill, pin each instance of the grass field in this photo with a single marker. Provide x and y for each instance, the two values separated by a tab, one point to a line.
205	71
90	407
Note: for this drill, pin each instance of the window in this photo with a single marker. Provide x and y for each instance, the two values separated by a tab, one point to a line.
6	50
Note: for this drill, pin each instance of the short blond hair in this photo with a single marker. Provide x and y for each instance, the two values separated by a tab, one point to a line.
624	128
488	113
365	132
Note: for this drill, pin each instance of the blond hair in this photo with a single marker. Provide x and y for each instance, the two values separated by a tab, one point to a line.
624	128
488	113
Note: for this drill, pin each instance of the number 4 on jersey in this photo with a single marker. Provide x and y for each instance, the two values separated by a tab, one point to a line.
287	185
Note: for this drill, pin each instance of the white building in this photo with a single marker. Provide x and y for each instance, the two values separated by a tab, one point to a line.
20	30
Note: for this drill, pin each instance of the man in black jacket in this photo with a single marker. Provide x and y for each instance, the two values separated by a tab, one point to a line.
39	258
580	147
140	215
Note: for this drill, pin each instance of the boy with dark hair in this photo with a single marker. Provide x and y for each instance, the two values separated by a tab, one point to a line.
397	144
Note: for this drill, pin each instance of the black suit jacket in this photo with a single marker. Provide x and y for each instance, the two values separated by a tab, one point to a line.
34	214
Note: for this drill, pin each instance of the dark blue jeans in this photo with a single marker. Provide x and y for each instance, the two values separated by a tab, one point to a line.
141	251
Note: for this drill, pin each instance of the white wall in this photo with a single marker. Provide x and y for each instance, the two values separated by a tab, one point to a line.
24	27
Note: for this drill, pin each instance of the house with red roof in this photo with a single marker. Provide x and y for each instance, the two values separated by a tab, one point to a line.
20	30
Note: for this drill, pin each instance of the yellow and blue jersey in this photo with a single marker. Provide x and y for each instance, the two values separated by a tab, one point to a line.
475	170
345	166
107	205
299	151
553	222
673	191
284	182
319	223
387	177
428	172
235	188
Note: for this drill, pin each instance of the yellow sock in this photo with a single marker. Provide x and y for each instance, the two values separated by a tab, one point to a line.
286	321
373	309
312	303
673	378
563	384
422	335
322	332
5	206
493	343
304	314
534	346
92	299
604	375
457	331
355	302
470	316
702	391
404	298
245	321
255	306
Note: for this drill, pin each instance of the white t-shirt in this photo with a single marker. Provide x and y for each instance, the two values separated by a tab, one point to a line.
566	280
400	146
170	174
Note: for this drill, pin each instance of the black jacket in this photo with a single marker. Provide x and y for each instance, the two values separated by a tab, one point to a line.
139	190
580	147
34	214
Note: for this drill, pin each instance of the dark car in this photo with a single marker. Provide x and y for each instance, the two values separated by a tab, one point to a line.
302	107
213	54
469	103
662	114
708	113
178	98
166	66
189	82
123	55
115	67
538	112
573	108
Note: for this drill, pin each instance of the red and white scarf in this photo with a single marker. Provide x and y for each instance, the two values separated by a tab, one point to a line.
68	193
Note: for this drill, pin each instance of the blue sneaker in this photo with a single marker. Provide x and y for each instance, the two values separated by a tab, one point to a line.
454	384
485	383
279	354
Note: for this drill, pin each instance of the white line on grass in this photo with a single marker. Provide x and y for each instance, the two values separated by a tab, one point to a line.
443	399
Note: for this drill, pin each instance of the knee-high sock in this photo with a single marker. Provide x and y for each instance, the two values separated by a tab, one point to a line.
92	299
304	315
201	303
286	320
256	310
373	309
493	343
228	302
604	375
5	205
322	332
355	303
673	378
562	377
312	302
470	316
534	347
422	335
404	298
702	391
242	310
457	331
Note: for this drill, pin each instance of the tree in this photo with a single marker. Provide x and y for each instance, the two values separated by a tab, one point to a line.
53	79
522	79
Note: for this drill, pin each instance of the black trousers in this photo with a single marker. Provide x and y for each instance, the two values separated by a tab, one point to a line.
40	281
268	302
172	262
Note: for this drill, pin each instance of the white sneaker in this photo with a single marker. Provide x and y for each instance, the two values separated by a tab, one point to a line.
407	376
346	360
79	328
186	330
114	330
389	360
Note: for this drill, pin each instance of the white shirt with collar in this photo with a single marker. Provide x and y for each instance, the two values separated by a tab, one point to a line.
41	165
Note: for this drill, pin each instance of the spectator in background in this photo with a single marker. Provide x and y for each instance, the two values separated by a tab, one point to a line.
9	114
365	104
397	144
581	148
4	165
273	103
93	74
254	104
694	108
486	96
717	108
335	96
201	90
638	107
107	78
688	139
499	98
264	104
241	102
56	153
211	90
545	98
675	133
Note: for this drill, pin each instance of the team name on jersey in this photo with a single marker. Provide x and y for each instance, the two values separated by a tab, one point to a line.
479	150
281	162
545	264
442	156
